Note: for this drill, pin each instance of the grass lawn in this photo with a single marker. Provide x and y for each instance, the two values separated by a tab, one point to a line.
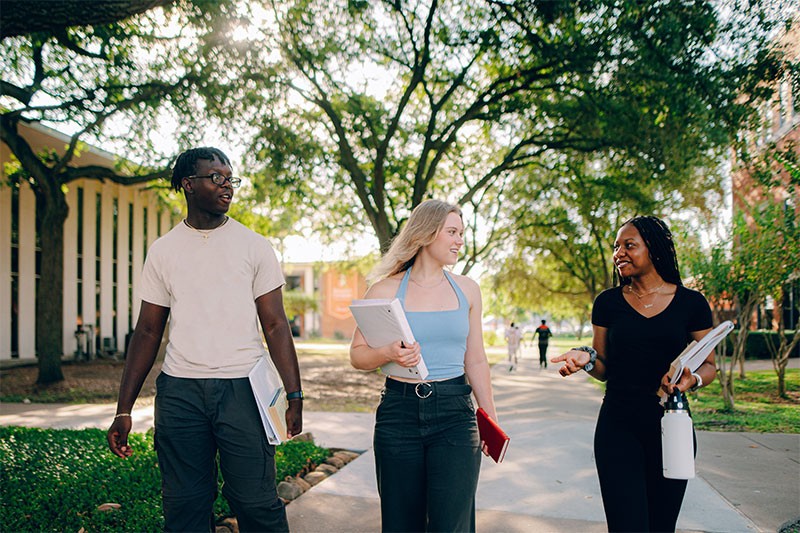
757	406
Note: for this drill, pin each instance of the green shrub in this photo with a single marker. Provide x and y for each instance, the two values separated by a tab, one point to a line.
757	343
296	457
53	480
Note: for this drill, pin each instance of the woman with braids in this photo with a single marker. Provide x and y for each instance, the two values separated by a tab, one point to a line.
640	326
427	449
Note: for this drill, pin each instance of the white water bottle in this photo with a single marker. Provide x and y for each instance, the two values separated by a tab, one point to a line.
677	443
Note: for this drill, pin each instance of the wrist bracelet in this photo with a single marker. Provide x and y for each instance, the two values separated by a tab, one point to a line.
699	382
120	415
296	395
589	366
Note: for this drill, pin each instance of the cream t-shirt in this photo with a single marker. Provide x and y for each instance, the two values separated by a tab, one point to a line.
210	281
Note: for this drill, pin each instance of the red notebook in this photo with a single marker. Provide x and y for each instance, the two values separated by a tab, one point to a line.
492	436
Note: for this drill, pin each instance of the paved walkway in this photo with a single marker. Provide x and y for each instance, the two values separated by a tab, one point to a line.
746	482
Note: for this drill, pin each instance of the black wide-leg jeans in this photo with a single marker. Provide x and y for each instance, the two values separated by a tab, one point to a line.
196	419
427	456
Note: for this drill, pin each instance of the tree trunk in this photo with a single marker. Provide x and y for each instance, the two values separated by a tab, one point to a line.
782	360
52	212
726	384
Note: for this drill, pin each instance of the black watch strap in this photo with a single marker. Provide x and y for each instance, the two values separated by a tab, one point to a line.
296	395
592	357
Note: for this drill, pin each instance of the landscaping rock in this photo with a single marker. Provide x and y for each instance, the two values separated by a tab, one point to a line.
288	490
345	455
315	477
328	469
304	437
302	483
335	461
229	524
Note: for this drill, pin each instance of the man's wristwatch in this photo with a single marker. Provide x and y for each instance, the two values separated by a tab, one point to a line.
296	395
592	357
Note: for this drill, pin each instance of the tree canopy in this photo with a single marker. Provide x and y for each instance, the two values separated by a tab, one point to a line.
371	107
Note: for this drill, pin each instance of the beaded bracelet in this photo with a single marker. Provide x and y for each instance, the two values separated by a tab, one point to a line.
121	415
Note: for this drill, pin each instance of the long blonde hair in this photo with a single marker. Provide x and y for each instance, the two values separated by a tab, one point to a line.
424	224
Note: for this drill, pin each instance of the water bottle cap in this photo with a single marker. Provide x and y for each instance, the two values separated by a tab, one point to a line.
676	402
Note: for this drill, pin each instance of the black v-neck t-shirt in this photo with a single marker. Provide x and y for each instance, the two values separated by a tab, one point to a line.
639	350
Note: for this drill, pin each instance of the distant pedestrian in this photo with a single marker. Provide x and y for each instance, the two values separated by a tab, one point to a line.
544	334
639	328
426	443
513	339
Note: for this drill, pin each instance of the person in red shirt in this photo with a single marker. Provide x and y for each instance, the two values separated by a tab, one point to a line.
544	334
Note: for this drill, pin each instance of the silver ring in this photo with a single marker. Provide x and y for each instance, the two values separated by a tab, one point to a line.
421	396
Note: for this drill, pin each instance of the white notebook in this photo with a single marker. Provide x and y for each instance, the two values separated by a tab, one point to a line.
270	398
695	353
383	322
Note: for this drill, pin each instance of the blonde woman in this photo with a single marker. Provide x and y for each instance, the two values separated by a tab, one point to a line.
427	450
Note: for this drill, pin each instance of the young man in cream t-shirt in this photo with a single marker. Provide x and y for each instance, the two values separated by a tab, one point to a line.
215	280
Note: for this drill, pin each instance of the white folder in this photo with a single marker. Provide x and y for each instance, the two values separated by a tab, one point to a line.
383	322
270	398
695	353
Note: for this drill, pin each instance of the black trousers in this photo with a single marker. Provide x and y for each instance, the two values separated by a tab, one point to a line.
427	456
542	355
196	419
627	450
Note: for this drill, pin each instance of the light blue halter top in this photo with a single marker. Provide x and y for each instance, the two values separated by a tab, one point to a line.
442	335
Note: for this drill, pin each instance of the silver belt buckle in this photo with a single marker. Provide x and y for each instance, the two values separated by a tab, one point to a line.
419	394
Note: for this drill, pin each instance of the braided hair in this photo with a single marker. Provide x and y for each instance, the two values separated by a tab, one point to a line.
186	163
661	248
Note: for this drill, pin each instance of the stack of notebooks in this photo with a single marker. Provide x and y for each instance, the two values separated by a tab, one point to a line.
270	398
695	353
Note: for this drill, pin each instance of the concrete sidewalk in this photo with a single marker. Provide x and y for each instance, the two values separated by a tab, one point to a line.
547	482
746	482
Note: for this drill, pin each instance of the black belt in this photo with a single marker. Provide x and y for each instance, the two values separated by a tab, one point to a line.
424	389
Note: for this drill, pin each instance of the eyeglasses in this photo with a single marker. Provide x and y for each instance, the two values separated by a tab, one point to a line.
219	179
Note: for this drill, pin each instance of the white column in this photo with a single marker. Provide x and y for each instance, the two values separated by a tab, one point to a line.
152	218
122	267
107	260
27	272
70	292
5	273
166	220
138	247
89	311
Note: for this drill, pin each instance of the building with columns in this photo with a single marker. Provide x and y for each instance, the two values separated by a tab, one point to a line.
106	235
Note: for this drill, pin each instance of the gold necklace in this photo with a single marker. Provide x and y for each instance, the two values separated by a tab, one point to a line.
428	286
205	232
646	293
